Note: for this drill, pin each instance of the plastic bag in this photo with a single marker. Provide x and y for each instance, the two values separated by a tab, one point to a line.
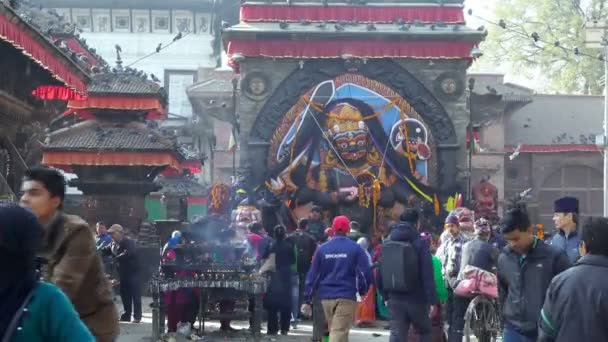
366	308
474	281
184	328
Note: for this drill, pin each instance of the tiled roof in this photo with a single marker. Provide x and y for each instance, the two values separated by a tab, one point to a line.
98	135
128	82
556	120
181	186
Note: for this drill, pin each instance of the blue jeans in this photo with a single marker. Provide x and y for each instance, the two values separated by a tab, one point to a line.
510	335
295	297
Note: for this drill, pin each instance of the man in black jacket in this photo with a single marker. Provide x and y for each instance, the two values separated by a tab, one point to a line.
412	307
576	305
305	245
525	270
125	252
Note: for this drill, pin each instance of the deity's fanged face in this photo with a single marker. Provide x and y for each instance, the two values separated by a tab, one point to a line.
352	145
348	132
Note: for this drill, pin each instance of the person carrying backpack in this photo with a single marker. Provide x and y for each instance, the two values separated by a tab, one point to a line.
406	279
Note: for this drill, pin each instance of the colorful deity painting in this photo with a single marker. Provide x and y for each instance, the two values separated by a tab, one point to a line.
354	146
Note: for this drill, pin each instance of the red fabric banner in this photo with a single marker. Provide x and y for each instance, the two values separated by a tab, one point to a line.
55	92
355	48
101	158
197	200
42	54
380	14
153	105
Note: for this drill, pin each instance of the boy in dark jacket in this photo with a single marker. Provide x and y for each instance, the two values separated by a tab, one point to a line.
576	305
525	270
339	270
412	307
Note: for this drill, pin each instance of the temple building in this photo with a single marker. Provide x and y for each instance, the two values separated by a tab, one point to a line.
544	144
357	107
186	33
115	147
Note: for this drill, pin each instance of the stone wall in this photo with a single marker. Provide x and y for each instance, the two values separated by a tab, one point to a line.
532	170
128	211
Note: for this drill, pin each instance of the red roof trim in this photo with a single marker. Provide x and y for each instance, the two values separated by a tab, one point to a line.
384	14
554	148
43	55
282	48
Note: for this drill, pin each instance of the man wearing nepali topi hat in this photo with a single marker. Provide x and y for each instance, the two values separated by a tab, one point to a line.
566	222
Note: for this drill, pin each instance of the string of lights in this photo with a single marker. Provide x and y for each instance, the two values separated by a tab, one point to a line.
535	37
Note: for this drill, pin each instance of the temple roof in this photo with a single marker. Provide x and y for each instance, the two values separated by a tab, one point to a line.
125	82
434	30
181	185
64	34
108	136
420	31
39	47
556	120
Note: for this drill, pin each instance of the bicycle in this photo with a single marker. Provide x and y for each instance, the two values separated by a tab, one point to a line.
483	319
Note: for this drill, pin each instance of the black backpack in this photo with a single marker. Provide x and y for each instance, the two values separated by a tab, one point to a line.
399	266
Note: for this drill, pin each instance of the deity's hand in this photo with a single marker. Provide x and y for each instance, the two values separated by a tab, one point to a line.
352	193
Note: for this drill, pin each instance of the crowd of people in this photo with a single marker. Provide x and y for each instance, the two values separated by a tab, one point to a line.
54	282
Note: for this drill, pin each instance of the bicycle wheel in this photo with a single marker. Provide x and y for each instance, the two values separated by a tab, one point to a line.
482	320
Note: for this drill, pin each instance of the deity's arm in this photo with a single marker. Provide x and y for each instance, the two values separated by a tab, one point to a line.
324	199
387	197
401	191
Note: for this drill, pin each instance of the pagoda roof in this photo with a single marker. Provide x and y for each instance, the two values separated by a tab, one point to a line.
126	82
39	47
105	136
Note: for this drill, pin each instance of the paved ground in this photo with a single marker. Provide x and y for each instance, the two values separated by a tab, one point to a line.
142	332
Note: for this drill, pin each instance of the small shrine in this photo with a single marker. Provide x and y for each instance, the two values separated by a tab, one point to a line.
115	148
181	197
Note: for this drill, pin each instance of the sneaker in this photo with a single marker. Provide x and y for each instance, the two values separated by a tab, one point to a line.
125	318
136	321
284	332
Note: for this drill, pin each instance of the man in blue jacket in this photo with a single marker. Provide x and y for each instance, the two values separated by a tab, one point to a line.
412	307
339	270
565	218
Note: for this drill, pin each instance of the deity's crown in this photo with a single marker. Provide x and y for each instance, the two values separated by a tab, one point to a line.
345	117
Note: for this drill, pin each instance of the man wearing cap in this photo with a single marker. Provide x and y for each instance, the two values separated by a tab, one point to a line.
566	221
125	252
339	270
450	254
